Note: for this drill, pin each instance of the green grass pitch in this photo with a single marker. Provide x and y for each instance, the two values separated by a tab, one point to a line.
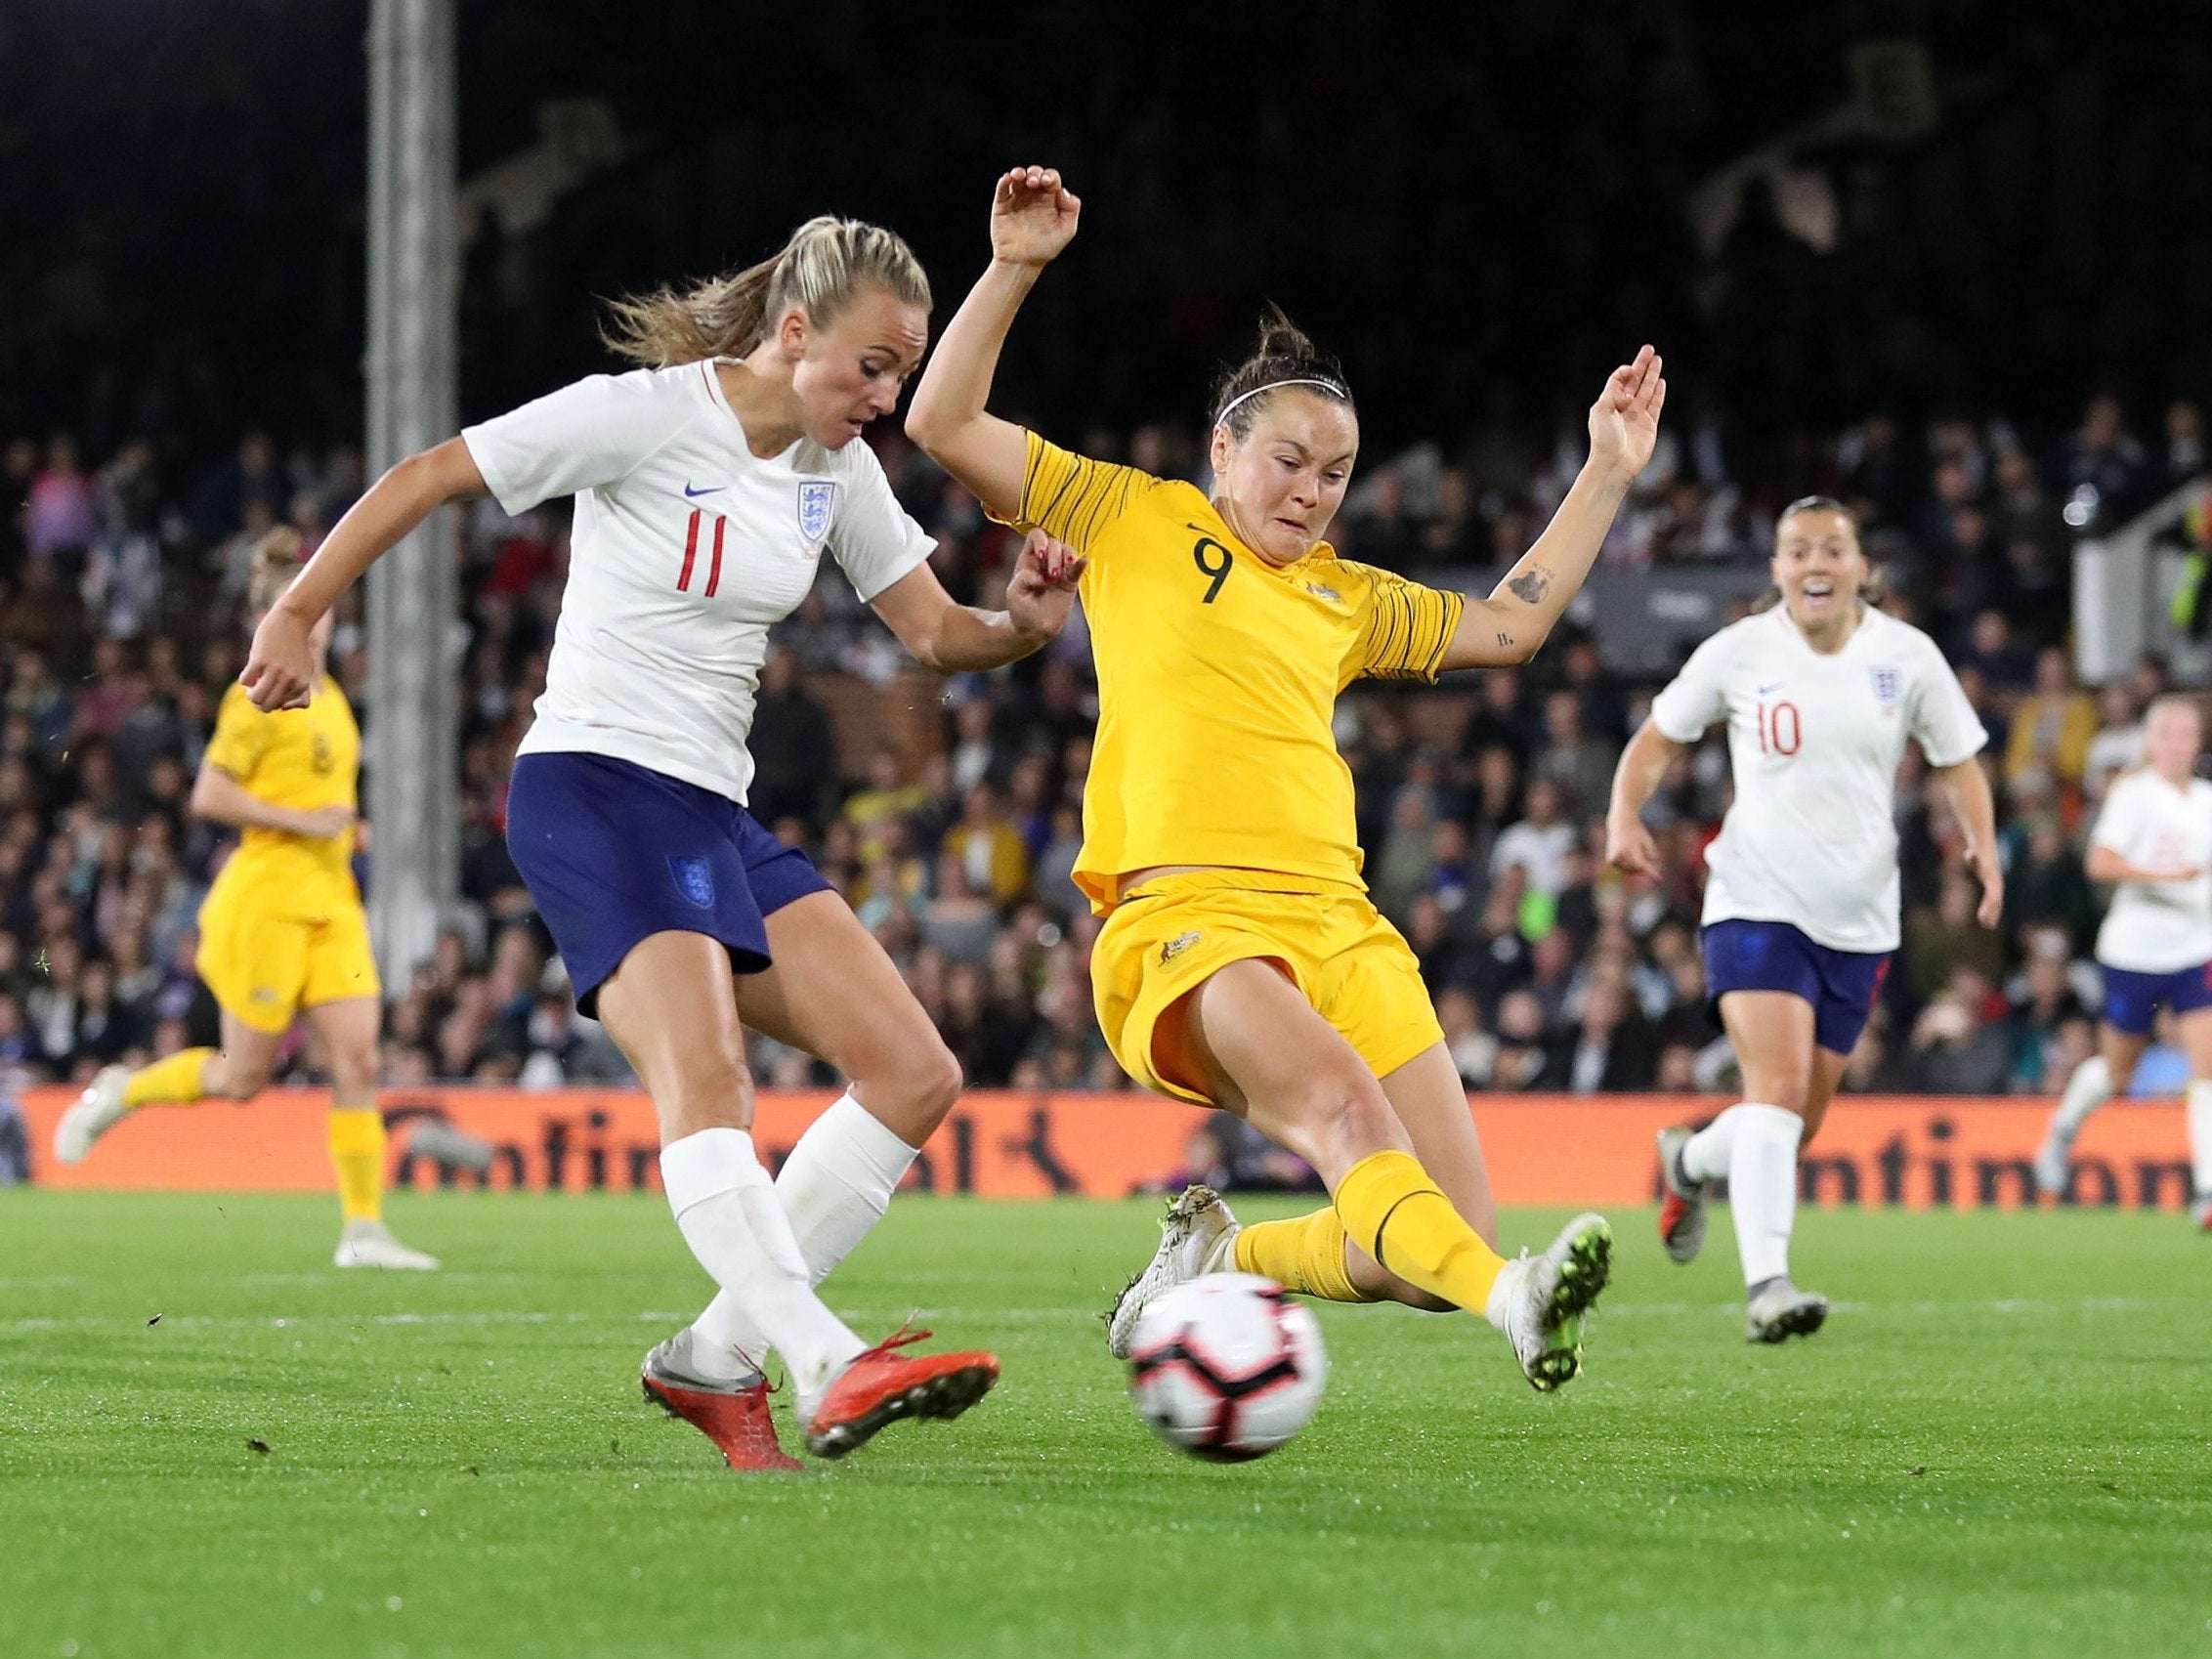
1999	1445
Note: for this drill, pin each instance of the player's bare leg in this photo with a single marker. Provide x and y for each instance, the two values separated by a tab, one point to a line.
2105	1074
1788	1081
347	1032
2194	1028
835	994
1247	1040
238	1070
672	1008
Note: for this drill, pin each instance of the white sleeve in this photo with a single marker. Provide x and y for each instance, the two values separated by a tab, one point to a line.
2121	822
1942	720
872	537
584	436
1696	698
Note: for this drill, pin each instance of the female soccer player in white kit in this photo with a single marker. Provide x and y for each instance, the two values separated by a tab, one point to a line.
708	486
2153	841
1819	693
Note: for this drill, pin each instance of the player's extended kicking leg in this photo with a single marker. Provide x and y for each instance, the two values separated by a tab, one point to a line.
672	1008
1248	1039
1788	1082
833	992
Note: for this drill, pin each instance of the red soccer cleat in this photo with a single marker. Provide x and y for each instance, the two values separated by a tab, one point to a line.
881	1385
732	1415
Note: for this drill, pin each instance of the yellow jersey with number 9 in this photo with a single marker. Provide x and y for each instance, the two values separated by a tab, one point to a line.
1218	675
300	758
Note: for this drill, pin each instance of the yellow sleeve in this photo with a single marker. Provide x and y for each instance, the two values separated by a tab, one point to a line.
1408	626
241	736
1074	498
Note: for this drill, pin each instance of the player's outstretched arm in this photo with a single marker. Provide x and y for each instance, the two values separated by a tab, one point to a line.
956	639
279	672
1624	424
1629	844
2106	863
1968	786
220	799
1033	217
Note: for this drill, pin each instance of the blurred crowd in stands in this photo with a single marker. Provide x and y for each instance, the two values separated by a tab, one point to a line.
952	817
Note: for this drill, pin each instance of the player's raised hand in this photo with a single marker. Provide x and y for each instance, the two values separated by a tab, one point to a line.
279	670
1629	847
1044	586
1033	216
1623	422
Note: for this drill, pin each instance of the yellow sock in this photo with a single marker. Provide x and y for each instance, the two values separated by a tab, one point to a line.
1305	1255
357	1148
173	1082
1402	1219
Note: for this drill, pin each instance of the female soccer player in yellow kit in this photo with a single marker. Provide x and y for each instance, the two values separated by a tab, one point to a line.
281	933
1241	964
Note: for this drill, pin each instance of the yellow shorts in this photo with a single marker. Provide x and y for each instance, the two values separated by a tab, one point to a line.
1170	934
264	964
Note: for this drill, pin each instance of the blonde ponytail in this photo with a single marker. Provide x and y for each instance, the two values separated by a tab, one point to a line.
824	264
275	562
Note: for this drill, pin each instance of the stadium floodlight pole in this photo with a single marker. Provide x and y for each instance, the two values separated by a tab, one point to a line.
411	367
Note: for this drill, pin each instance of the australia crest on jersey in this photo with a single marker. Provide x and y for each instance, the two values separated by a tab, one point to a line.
1888	686
817	496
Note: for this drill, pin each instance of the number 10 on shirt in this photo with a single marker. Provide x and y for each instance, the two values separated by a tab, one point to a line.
1780	731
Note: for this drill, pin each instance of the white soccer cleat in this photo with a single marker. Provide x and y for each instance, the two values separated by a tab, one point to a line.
98	1109
2054	1163
1197	1236
370	1244
1539	1300
1781	1312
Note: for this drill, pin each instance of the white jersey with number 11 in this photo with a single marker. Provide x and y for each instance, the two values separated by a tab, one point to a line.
1814	739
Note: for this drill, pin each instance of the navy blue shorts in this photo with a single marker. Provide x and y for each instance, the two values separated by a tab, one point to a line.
614	853
2131	998
1773	956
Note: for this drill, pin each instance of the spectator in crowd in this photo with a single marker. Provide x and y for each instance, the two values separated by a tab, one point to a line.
2053	727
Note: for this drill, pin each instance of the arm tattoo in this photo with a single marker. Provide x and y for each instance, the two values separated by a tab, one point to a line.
1505	640
1531	585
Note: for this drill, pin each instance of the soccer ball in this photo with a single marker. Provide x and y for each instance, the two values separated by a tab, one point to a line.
1227	1367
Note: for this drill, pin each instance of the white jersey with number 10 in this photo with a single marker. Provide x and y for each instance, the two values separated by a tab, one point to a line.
1814	739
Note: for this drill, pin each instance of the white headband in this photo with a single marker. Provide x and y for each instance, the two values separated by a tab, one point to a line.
1328	386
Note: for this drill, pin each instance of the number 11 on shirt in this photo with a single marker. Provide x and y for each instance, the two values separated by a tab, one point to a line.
1780	731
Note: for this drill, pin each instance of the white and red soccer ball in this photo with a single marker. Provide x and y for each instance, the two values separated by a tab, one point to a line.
1227	1367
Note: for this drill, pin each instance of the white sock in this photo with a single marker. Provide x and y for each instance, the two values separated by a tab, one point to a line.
727	1209
2090	1086
1763	1183
1705	1156
2201	1135
834	1187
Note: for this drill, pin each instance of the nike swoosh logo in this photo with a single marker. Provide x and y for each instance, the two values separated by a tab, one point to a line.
1775	687
713	490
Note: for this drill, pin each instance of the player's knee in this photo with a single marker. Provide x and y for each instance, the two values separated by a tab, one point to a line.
708	1084
928	1085
1345	1118
353	1068
234	1077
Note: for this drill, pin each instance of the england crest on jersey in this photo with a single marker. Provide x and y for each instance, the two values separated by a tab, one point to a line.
1888	686
817	496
